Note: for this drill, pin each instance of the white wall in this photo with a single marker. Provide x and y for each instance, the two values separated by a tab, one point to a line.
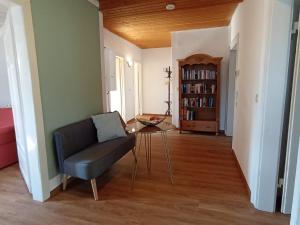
214	42
263	31
155	86
125	49
121	46
4	88
250	29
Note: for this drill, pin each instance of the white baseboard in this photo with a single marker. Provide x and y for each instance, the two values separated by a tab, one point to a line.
55	182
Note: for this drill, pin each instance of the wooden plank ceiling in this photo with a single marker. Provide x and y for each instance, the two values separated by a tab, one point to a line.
148	24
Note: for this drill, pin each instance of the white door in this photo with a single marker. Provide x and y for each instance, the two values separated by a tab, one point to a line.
116	94
16	101
293	139
236	114
114	82
120	68
129	91
110	74
231	93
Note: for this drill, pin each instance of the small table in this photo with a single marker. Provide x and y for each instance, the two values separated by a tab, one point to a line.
145	132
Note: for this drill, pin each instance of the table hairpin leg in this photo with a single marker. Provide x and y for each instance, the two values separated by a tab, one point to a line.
135	164
139	137
135	152
167	154
148	144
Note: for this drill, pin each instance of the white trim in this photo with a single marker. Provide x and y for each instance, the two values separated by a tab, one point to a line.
95	3
235	42
38	159
104	96
55	182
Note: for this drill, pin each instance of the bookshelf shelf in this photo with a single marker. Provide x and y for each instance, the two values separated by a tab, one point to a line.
199	98
183	81
183	94
199	108
186	121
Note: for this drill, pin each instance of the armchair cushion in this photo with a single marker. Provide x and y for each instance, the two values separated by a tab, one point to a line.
97	158
109	126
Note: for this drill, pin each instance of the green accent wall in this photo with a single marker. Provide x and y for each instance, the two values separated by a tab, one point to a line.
68	53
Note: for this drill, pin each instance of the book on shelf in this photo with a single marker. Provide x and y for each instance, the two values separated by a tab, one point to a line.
189	114
198	74
200	88
199	102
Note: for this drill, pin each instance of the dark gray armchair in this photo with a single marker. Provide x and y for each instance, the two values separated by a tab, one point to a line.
81	156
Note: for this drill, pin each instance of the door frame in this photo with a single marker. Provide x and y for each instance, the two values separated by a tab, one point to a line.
120	83
105	103
295	217
234	47
278	28
293	138
17	89
34	127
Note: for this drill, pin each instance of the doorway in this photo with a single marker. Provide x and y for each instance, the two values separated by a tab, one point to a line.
123	85
16	93
138	88
117	92
231	101
291	125
21	65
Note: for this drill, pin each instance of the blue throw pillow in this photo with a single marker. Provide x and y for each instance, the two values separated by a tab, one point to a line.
109	126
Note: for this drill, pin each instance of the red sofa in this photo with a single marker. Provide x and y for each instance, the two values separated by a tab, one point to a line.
8	149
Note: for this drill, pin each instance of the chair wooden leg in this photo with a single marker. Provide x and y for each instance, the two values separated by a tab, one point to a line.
95	190
65	182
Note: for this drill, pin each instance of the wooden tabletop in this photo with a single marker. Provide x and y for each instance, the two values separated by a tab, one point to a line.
137	127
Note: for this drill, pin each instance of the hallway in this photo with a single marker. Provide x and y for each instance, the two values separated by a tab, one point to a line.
209	189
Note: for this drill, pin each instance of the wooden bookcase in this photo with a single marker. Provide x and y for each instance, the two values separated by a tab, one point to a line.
199	93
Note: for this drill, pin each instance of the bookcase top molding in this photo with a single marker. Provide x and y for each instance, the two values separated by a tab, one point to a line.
200	59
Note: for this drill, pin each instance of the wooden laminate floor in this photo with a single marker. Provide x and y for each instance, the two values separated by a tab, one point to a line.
208	190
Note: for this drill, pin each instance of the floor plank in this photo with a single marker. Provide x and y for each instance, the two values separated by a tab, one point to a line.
208	189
